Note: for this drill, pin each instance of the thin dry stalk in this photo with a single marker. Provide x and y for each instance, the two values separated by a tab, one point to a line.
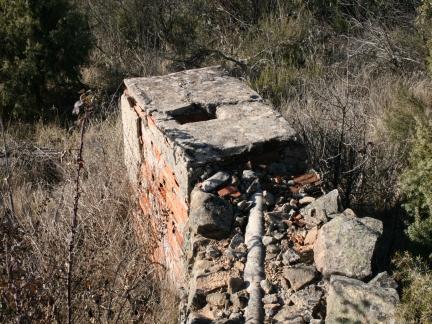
74	224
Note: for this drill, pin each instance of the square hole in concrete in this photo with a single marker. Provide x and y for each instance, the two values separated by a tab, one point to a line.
192	114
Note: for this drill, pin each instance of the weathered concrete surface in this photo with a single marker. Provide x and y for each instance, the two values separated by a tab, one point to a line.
240	122
353	301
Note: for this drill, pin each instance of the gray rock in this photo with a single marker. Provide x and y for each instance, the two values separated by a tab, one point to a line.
216	299
267	240
269	198
273	249
289	314
270	310
215	181
236	240
300	275
346	245
307	299
266	286
270	299
290	257
353	301
210	215
329	202
240	299
384	280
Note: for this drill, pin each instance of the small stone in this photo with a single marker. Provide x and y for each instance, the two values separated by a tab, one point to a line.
384	280
241	221
236	317
212	252
266	286
300	275
278	235
271	309
216	299
239	265
269	198
270	256
290	257
235	180
235	284
291	183
244	205
240	299
306	200
217	180
236	240
267	240
270	299
249	175
272	248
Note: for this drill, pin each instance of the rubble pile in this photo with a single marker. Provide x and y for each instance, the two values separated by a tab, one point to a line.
318	257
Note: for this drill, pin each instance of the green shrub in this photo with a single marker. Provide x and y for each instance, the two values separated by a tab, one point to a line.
416	279
43	45
416	186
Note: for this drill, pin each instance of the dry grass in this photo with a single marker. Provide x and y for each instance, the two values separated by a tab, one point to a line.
114	280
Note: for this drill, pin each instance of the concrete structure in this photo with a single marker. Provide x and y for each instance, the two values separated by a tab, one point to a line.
176	127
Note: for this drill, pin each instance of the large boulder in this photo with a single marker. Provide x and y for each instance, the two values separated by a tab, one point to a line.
346	245
353	301
210	215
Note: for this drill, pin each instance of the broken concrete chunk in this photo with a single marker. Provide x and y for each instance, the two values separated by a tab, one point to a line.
353	301
330	203
346	246
300	275
215	181
210	215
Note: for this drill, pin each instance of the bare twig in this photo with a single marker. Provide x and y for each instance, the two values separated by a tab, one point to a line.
74	224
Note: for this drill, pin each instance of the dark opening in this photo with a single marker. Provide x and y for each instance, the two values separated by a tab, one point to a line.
193	114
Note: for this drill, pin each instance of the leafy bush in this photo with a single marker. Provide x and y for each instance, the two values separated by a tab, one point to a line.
43	45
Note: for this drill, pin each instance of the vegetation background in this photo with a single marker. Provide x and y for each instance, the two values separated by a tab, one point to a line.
352	77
